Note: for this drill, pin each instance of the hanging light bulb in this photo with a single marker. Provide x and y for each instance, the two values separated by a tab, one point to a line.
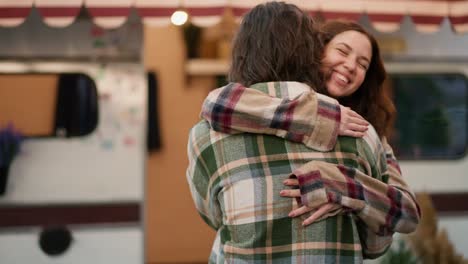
179	17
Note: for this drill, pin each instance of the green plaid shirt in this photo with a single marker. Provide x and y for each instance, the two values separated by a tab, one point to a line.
235	180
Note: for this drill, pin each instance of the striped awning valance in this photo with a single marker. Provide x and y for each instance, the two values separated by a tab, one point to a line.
385	15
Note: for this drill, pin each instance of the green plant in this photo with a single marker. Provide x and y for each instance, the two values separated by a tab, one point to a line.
399	255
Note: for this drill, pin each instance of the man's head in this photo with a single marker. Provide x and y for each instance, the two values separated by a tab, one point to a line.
276	42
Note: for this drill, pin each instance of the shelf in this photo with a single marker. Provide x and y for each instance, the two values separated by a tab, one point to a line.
207	67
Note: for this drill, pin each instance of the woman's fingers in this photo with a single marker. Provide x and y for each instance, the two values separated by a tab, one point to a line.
357	128
321	211
291	193
352	133
351	123
348	115
317	214
353	113
348	111
295	193
359	121
299	211
291	182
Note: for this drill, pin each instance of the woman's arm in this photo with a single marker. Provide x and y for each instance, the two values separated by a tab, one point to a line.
237	108
385	207
373	245
381	207
310	118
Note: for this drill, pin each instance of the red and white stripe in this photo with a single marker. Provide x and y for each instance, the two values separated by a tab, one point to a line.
58	13
312	7
343	9
156	13
427	16
385	15
458	15
240	7
207	12
14	12
109	14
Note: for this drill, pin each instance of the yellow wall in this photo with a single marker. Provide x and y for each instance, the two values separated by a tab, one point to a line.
174	230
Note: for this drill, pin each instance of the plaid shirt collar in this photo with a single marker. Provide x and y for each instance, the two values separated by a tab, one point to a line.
282	89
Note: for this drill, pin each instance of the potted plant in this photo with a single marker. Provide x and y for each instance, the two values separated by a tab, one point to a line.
10	141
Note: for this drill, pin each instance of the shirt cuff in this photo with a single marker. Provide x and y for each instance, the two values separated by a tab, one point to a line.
326	126
313	192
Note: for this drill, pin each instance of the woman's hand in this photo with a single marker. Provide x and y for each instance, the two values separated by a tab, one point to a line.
351	123
319	212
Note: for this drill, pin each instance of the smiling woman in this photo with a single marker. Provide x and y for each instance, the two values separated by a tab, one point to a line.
346	60
49	104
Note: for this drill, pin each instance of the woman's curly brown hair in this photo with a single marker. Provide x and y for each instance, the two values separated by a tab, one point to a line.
370	100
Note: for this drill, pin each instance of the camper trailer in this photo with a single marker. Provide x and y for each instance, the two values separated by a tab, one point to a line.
74	191
428	76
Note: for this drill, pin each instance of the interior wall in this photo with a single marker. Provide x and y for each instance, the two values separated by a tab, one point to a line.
175	233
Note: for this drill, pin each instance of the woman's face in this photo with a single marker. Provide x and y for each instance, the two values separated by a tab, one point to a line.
346	59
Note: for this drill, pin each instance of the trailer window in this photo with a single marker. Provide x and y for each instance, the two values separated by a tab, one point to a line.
432	115
49	105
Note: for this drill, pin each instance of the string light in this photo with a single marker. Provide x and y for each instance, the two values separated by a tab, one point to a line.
179	18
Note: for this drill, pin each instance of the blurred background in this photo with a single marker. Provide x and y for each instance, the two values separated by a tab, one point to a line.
97	98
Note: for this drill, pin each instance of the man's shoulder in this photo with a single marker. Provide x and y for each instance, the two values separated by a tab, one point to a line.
372	149
199	134
368	146
203	136
372	139
201	126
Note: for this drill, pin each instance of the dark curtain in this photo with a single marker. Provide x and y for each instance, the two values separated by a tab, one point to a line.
153	131
77	105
